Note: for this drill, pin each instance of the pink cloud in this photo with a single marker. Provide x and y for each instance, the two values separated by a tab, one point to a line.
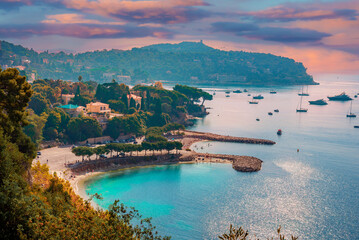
73	18
164	11
307	12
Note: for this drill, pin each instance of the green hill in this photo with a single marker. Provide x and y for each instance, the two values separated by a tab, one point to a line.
183	63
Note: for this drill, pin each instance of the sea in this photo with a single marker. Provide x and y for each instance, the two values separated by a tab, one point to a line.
308	185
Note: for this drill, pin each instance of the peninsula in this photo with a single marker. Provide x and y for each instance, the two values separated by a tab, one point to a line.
185	63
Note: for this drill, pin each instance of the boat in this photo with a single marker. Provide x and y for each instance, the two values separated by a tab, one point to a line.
340	97
356	126
253	102
273	92
248	94
245	90
318	102
279	132
355	96
350	114
276	110
227	96
300	109
237	91
257	119
258	97
303	93
228	92
270	113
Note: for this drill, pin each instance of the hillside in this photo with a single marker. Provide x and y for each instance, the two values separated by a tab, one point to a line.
185	63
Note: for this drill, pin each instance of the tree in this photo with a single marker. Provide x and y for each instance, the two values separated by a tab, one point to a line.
14	98
241	234
155	138
100	150
35	127
53	120
50	133
117	105
132	103
178	146
39	104
82	128
83	151
80	100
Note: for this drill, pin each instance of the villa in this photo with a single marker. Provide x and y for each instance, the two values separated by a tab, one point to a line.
98	107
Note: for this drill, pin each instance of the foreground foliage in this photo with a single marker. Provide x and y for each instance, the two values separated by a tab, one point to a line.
37	205
240	234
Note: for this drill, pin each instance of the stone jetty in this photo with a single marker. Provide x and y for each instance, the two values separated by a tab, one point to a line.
189	137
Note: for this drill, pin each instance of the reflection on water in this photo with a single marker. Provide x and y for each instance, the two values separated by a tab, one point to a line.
313	193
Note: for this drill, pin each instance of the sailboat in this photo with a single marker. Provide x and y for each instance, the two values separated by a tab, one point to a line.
303	93
350	111
300	109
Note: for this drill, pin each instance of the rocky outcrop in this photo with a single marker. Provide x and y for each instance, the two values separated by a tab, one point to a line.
247	164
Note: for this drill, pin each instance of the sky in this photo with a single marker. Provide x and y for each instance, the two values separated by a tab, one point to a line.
324	35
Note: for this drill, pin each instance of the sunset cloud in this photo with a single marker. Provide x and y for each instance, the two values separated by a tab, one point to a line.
73	18
285	13
276	34
82	31
161	11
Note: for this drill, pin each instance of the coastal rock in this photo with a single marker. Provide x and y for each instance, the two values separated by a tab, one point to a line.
247	164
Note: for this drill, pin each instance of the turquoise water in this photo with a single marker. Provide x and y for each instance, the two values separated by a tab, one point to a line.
313	193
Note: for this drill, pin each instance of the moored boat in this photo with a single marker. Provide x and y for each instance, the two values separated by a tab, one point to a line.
258	97
228	92
237	91
340	97
270	113
227	95
350	114
272	92
245	90
318	102
276	110
300	109
279	132
303	93
253	102
356	126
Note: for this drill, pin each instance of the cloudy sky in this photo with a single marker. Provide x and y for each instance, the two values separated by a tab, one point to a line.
324	35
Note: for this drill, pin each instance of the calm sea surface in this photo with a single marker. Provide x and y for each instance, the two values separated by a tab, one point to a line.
313	193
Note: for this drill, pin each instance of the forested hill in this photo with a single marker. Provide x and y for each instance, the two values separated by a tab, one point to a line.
185	47
184	63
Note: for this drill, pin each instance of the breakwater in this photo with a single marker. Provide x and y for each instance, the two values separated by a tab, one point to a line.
239	163
223	138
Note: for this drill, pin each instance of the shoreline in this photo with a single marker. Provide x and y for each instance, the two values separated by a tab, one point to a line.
79	172
78	184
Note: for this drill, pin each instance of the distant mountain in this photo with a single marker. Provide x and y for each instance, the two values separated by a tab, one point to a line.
188	47
185	63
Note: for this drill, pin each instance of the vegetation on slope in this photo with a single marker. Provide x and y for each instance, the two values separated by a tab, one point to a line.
190	63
